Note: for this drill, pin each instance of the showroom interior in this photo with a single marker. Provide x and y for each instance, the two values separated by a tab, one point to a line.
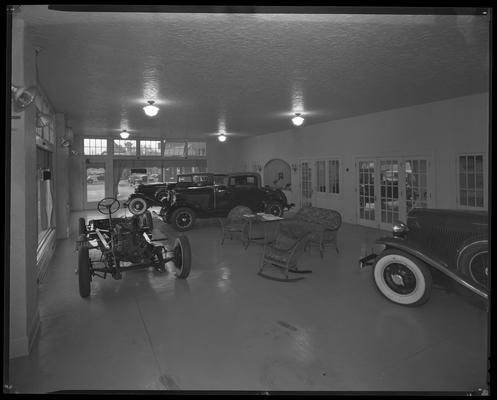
400	91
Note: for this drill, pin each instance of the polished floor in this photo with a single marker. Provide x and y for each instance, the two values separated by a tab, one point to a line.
226	328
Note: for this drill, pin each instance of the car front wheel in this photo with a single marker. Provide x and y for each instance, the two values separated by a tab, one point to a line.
182	219
84	274
137	206
275	208
402	278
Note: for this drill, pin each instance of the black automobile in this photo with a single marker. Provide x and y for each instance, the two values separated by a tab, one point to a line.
153	194
180	208
451	244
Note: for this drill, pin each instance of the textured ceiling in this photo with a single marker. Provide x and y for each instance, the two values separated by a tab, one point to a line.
247	73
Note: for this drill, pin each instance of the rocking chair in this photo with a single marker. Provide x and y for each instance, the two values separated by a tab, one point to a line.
284	252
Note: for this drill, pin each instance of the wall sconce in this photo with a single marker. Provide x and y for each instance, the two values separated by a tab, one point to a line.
74	153
295	167
65	143
23	97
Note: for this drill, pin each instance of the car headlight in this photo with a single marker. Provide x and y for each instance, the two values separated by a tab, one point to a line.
399	229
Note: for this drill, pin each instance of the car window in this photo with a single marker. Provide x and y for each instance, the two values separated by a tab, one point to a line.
187	178
242	181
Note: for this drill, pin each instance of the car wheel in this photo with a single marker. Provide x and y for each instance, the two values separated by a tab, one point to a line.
137	206
182	257
402	278
81	226
475	265
90	181
182	219
84	276
275	208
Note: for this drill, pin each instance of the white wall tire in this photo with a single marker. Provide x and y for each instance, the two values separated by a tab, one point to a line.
402	278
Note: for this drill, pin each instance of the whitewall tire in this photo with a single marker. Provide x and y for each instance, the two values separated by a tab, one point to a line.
402	278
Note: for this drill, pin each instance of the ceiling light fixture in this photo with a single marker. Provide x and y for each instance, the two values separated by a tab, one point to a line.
124	134
151	110
297	120
221	137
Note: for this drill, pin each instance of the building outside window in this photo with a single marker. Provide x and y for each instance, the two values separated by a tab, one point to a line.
174	149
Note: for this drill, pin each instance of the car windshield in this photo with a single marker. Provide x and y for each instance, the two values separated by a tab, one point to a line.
220	179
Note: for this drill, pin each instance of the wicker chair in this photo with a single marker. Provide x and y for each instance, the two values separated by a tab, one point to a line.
234	222
284	252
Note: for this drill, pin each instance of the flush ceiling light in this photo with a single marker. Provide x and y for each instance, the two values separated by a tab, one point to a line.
221	137
151	110
297	120
124	134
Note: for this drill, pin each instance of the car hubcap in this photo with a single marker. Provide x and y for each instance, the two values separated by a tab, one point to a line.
184	220
138	206
399	278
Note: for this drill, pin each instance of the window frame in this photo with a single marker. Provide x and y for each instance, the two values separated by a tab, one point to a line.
136	153
139	147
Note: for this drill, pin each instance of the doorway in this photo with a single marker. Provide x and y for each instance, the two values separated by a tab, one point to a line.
94	184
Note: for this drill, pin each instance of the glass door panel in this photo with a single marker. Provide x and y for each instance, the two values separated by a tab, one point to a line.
367	192
95	184
306	179
389	192
416	171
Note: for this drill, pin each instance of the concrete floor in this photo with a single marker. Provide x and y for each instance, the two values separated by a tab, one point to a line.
226	328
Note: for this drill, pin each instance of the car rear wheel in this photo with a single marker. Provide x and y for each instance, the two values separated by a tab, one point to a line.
137	206
182	257
402	278
182	219
475	265
275	208
84	276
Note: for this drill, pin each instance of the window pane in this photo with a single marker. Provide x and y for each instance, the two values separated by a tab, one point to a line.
320	176
463	184
197	149
95	147
124	147
174	149
479	164
479	198
464	197
471	164
150	147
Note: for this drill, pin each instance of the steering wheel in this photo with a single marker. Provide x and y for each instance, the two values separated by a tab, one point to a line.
108	205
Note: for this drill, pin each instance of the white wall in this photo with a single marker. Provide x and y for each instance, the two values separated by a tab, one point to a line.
23	305
440	130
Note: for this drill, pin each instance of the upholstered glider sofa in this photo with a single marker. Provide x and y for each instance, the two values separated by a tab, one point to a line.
323	223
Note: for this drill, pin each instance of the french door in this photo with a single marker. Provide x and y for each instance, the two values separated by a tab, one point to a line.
388	188
306	183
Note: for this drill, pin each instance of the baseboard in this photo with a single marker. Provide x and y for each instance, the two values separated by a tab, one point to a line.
21	347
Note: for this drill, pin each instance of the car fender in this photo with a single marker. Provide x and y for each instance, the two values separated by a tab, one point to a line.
415	250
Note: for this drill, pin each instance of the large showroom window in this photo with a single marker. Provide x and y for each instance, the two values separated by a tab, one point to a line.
150	147
94	147
124	147
471	182
174	149
197	149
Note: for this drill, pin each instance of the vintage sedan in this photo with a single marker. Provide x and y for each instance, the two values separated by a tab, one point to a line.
453	243
180	208
153	194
